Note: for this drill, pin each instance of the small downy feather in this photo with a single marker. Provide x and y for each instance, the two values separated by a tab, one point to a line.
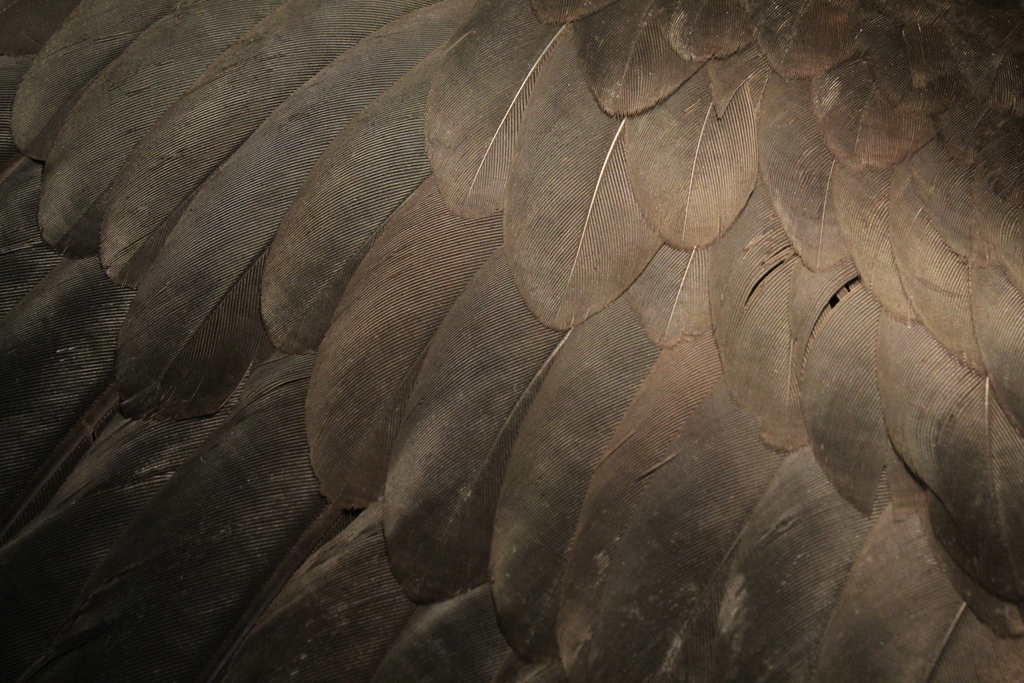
450	454
32	22
372	167
751	270
564	11
120	104
303	637
454	640
205	544
803	38
575	236
676	384
365	369
690	170
211	263
861	199
946	423
729	74
861	126
565	432
91	37
672	295
700	30
656	617
219	112
797	167
56	358
627	58
476	102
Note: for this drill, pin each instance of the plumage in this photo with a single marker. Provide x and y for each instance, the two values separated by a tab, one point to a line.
563	11
12	67
699	30
33	22
803	38
363	373
692	171
997	308
445	473
727	75
575	236
671	296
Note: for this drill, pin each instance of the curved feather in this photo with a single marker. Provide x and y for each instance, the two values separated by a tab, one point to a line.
700	30
364	371
993	73
729	74
797	167
93	35
575	237
803	38
451	451
671	296
692	171
477	100
564	11
944	187
219	112
516	670
32	22
120	104
560	441
998	311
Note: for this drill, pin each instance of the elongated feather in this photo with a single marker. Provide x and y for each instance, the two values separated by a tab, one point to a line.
364	370
450	454
797	167
211	263
998	311
120	104
126	466
56	358
31	22
629	63
671	295
861	199
676	384
476	102
564	434
700	30
803	38
360	180
944	187
727	75
998	204
564	11
454	640
575	236
752	267
302	636
221	110
91	37
946	423
656	617
205	544
692	171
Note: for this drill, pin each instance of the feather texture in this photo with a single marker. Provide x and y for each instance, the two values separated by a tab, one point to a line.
700	30
671	295
34	21
803	38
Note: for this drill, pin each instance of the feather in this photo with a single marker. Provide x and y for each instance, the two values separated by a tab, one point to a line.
700	30
364	371
32	22
126	466
204	545
24	259
449	456
655	619
944	187
729	74
676	384
671	296
628	61
335	619
209	268
691	171
797	167
56	358
564	11
974	653
998	192
562	437
120	104
220	111
11	70
949	428
803	529
861	126
861	199
839	395
959	128
476	102
91	37
998	311
992	75
516	670
455	640
575	236
360	180
751	270
936	278
803	38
